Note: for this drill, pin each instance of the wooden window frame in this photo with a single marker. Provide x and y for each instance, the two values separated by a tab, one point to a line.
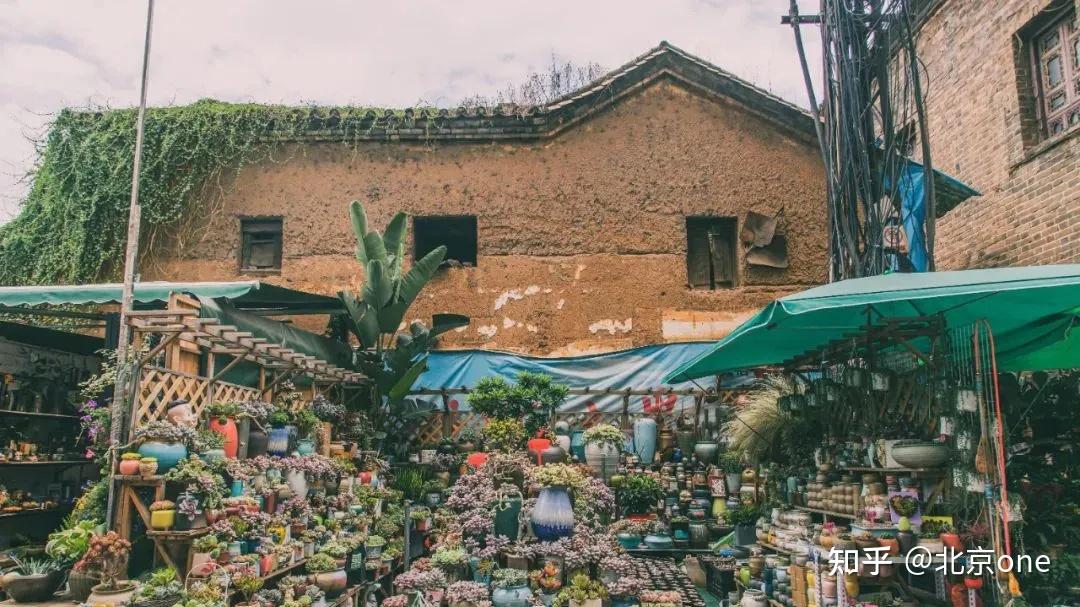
1066	117
256	227
719	253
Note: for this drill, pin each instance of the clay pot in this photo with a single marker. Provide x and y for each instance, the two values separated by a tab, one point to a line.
891	543
952	540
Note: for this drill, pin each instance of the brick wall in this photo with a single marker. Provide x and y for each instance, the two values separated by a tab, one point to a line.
984	131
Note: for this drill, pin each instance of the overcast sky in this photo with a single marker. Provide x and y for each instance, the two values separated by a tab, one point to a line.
57	53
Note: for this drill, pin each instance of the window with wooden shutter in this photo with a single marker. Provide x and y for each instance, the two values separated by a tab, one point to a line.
711	257
260	244
1056	56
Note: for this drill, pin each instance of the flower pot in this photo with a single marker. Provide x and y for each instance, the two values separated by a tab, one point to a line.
129	467
602	459
952	540
645	439
659	541
100	595
278	441
162	519
506	518
706	451
297	482
755	598
699	535
745	535
891	544
226	427
536	446
167	454
213	455
585	603
629	540
32	588
305	446
516	596
906	539
257	442
148	469
80	585
553	515
552	455
919	454
332	583
733	481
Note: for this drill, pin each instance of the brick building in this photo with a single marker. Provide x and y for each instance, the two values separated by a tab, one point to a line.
1003	104
612	217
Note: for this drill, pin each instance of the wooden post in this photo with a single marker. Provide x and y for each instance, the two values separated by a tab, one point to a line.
447	420
626	410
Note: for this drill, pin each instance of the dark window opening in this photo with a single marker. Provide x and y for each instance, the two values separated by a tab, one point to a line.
710	252
457	233
260	243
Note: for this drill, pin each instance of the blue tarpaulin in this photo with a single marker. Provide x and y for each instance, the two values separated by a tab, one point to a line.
912	189
637	369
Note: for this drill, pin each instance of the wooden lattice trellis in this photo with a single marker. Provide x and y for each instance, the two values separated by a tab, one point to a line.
158	386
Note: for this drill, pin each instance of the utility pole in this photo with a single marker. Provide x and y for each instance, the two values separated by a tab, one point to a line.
119	407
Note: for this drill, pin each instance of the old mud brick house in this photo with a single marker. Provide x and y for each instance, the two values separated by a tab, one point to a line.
1003	80
580	226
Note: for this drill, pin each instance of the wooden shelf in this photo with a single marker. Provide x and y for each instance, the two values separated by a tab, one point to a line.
774	548
827	512
895	470
45	415
172	534
75	462
34	511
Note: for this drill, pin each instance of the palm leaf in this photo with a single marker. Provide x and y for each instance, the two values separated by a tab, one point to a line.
378	286
394	241
359	225
401	388
419	275
376	250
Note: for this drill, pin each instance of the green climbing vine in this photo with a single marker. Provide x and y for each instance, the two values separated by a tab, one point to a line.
72	226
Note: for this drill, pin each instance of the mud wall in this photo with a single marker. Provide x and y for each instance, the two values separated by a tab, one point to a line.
582	238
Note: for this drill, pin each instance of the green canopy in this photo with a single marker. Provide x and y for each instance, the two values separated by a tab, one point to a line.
245	295
1031	311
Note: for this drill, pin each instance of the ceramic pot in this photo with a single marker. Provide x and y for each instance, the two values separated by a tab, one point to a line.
577	445
919	454
952	540
506	518
297	482
645	439
516	596
628	540
753	598
226	427
745	535
332	583
278	442
684	438
563	441
733	480
213	455
553	515
162	519
167	454
305	446
665	442
699	535
906	539
603	459
32	588
706	451
257	442
658	541
552	455
100	595
129	467
80	585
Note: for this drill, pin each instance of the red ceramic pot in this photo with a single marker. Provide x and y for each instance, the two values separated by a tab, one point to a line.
477	459
227	429
129	467
952	540
365	478
973	583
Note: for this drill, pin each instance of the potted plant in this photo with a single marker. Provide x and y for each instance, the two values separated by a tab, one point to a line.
603	446
452	561
420	517
165	441
638	495
247	585
327	574
278	442
743	517
396	600
510	588
547	581
129	464
204	550
731	464
148	466
255	415
433	491
950	537
504	435
624	590
66	547
373	545
210	445
657	536
162	515
466	594
468	440
628	532
107	557
581	592
222	419
888	540
553	515
32	580
189	512
481	569
161	589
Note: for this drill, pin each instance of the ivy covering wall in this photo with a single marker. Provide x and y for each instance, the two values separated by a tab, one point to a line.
72	226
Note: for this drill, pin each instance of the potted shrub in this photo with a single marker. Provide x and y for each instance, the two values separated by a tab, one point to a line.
161	589
731	464
162	515
628	532
421	518
148	466
255	415
247	585
66	547
504	435
373	545
165	441
107	556
581	592
306	422
510	588
129	464
603	446
222	419
466	594
32	580
468	440
278	443
452	561
327	574
638	495
743	517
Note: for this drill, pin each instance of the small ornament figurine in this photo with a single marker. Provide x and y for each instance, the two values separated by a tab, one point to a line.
181	414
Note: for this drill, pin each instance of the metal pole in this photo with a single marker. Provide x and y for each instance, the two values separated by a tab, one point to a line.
118	408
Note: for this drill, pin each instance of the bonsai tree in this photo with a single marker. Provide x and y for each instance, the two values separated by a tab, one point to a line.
533	398
504	435
107	557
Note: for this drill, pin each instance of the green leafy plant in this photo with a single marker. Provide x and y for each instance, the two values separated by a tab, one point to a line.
639	493
557	475
504	435
605	434
509	578
306	422
743	514
731	462
247	585
71	542
581	588
222	411
533	397
279	419
321	563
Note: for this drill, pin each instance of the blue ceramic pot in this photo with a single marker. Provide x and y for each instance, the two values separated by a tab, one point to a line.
645	439
506	518
629	540
577	444
167	454
212	455
623	601
659	541
553	515
279	441
517	596
237	488
305	446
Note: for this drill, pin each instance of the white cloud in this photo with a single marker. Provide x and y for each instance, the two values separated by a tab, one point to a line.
55	54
